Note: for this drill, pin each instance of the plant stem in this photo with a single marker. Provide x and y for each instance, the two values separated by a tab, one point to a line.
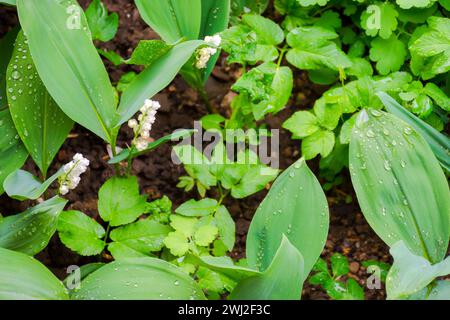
114	153
204	96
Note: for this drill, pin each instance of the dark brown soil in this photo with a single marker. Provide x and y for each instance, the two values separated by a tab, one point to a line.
349	232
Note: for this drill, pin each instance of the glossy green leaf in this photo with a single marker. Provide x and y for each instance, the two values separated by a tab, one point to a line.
202	208
81	233
402	190
139	279
155	78
226	226
144	236
103	26
29	232
24	278
7	45
68	63
41	125
10	2
148	51
267	31
22	185
119	201
277	282
174	19
80	274
410	273
215	19
439	143
295	206
12	152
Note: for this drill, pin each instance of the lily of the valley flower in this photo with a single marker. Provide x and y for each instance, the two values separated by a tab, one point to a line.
72	172
205	54
143	126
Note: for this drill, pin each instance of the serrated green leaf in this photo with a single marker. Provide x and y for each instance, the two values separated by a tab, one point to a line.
81	233
381	19
389	54
144	236
103	26
320	142
119	201
267	31
193	208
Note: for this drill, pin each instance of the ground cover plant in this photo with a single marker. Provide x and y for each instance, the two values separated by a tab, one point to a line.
322	135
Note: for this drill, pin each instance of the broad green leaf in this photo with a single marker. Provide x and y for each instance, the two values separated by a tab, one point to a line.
430	48
302	124
29	232
22	185
439	143
295	206
205	235
439	96
81	273
120	251
411	273
312	57
255	179
380	18
144	236
212	121
302	36
177	243
12	152
281	86
186	225
127	153
441	291
339	265
139	279
389	54
103	26
277	282
68	63
408	4
226	226
307	3
24	278
328	115
148	51
267	31
119	201
81	233
174	19
196	164
402	190
321	142
215	19
41	124
156	77
7	45
10	2
193	208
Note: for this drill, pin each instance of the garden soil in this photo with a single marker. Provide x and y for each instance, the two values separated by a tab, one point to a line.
181	106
